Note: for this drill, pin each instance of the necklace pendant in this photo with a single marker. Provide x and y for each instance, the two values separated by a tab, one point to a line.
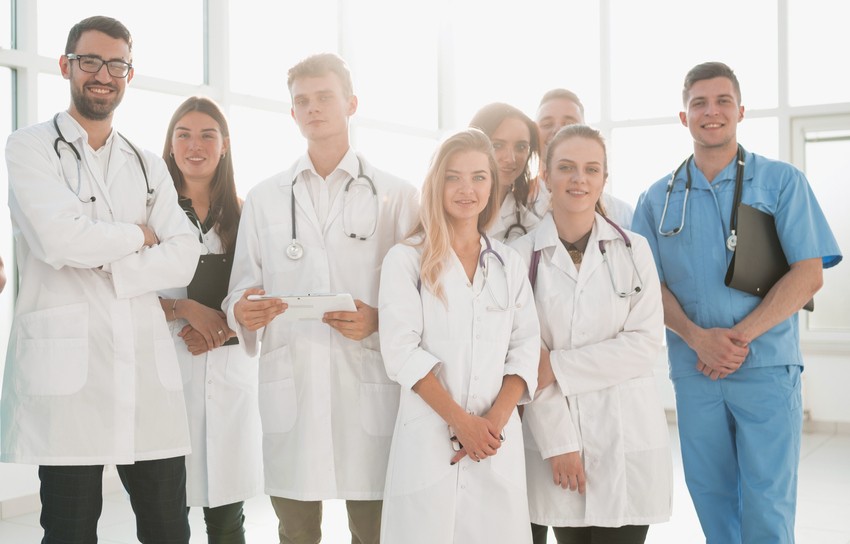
732	241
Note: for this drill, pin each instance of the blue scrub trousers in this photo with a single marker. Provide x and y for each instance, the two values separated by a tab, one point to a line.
740	440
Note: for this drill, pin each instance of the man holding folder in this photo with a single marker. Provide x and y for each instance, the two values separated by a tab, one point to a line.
735	358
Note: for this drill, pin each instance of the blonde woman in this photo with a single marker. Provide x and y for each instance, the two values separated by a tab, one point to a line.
459	332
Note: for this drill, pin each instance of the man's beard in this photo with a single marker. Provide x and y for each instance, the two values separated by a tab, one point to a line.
95	109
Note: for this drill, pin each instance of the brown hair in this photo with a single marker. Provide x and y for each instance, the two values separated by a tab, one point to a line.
588	133
109	26
319	65
709	70
488	120
224	203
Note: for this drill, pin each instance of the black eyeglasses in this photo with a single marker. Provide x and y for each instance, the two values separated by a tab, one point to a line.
92	64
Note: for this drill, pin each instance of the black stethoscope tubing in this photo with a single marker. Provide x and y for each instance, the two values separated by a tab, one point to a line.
295	250
732	239
61	138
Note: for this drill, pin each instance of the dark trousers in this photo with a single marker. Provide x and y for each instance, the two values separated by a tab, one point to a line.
627	534
72	498
225	524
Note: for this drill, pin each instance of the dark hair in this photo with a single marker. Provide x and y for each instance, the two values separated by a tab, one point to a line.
319	65
709	70
488	119
224	203
109	26
588	133
562	94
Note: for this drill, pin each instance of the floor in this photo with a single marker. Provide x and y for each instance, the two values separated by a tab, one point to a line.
822	517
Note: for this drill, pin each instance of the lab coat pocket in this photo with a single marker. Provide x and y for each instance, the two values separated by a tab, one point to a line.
509	461
421	454
167	367
644	424
53	349
379	407
277	394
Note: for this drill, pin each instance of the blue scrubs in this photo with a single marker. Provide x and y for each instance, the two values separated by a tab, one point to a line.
740	435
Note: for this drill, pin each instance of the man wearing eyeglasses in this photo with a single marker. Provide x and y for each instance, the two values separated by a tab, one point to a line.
91	375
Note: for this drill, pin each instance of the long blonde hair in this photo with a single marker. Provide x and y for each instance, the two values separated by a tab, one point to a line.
433	233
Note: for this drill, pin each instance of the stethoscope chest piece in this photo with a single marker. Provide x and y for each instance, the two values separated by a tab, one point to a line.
732	241
294	250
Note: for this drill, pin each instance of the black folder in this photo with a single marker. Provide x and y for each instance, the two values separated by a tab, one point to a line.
209	286
758	261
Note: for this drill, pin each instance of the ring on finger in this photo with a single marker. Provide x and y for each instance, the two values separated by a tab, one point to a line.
220	331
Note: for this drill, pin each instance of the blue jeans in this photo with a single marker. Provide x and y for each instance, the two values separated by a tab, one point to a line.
741	449
72	498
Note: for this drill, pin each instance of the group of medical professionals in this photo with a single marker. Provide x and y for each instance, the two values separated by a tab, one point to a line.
495	375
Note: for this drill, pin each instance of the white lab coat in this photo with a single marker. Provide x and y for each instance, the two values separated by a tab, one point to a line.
220	387
326	403
506	228
470	345
603	349
91	374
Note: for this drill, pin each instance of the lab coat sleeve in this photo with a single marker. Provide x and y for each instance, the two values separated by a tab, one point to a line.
51	217
400	320
524	348
247	272
170	263
629	354
550	422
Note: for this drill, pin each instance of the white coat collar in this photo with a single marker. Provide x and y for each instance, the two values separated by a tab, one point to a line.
547	241
349	164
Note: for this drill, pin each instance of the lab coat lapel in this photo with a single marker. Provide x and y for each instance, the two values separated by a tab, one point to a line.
549	244
592	256
304	208
351	167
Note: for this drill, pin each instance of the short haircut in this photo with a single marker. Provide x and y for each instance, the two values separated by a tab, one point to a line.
109	26
562	94
319	65
709	70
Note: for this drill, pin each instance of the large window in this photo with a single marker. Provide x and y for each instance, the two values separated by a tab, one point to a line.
167	35
423	69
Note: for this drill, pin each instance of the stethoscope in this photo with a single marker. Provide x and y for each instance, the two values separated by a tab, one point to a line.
295	250
732	240
79	159
483	263
517	226
637	289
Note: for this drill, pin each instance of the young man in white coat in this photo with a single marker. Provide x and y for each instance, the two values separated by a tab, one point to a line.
557	109
91	373
323	226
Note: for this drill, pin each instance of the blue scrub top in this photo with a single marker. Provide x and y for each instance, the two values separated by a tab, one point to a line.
693	263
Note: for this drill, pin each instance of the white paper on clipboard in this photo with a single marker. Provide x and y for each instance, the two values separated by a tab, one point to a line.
311	307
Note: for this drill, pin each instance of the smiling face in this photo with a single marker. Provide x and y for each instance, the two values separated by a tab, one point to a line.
554	114
712	113
197	145
95	96
467	186
320	107
576	176
512	144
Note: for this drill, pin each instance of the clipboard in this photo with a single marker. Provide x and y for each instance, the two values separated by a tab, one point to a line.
758	262
210	283
311	307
